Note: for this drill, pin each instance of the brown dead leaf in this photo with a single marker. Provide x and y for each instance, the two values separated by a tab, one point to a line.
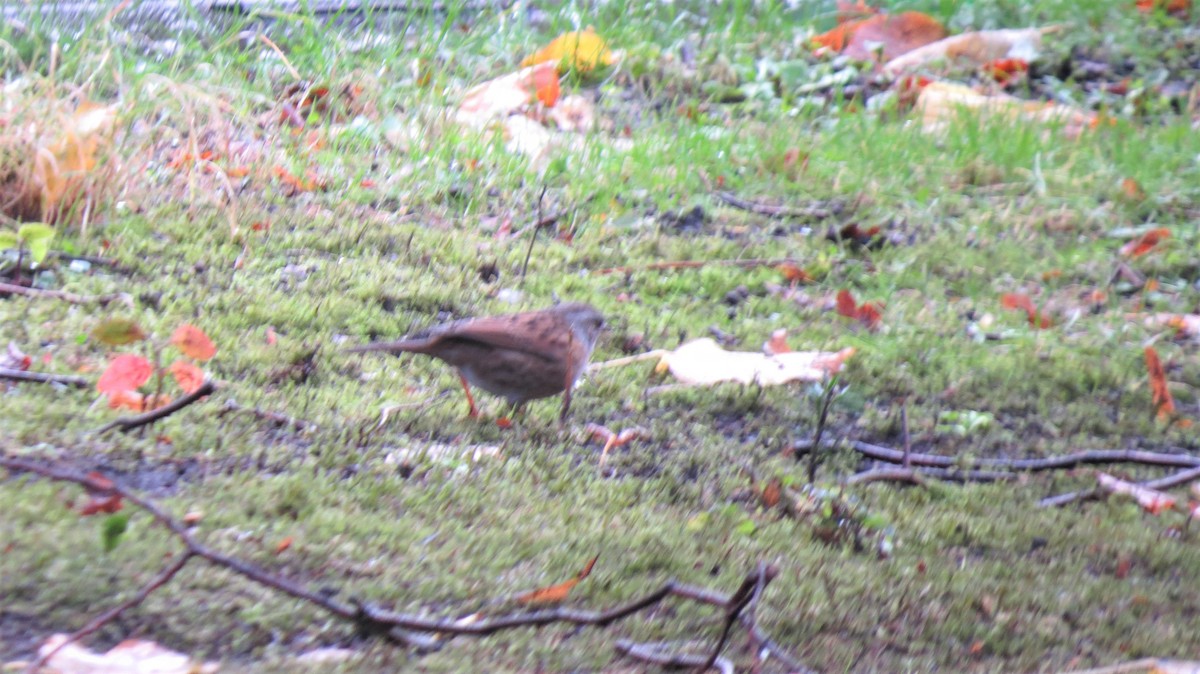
132	656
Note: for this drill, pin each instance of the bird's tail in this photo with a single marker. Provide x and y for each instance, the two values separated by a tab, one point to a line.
402	346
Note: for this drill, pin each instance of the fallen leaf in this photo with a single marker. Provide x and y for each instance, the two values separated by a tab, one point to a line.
869	314
556	593
1154	502
1022	302
578	50
1146	242
125	372
1178	7
14	359
193	342
1164	404
884	37
771	493
136	402
940	104
1004	70
792	273
189	377
702	362
1185	325
977	48
777	343
109	503
284	544
132	656
498	97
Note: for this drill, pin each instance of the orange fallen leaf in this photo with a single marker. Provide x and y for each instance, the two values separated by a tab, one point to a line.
1132	190
887	36
284	544
1164	404
125	372
546	86
1022	302
556	593
579	50
1178	7
977	48
869	314
498	97
777	343
1146	242
136	402
792	273
1003	70
193	342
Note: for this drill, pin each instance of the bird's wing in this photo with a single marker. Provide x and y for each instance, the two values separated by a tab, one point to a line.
529	333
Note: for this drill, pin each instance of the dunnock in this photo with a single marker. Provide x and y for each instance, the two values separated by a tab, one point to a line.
520	357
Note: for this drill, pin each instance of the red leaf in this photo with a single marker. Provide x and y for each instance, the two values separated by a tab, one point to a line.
101	504
188	376
869	314
283	545
126	372
1146	242
792	273
1022	302
1161	394
193	342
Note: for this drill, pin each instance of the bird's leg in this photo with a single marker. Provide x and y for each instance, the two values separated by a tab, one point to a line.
566	407
474	411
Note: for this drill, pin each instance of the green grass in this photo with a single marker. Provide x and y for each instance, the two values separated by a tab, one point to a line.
979	580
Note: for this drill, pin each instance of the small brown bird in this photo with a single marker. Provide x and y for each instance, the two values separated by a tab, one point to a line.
520	357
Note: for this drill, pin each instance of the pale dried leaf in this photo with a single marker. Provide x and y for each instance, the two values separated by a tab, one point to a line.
702	362
499	97
941	103
133	656
976	48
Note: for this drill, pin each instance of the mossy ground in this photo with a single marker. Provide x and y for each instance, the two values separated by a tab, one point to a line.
979	579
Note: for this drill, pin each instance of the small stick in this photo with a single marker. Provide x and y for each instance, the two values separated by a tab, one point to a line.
126	424
826	401
1167	482
102	300
907	439
44	378
696	264
772	211
657	653
276	418
917	477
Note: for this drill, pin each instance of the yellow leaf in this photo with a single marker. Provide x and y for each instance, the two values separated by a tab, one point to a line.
581	50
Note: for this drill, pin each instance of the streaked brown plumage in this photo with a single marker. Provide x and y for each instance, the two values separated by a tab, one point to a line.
520	357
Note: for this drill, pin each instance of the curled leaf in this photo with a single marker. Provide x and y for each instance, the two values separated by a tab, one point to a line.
188	376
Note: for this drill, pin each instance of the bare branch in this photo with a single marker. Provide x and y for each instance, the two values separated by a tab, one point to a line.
102	300
44	378
126	424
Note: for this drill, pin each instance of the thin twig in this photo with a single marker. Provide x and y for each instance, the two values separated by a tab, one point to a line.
737	602
771	210
917	475
400	627
126	424
696	264
1080	458
660	654
533	236
44	378
1167	482
108	616
102	300
276	418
